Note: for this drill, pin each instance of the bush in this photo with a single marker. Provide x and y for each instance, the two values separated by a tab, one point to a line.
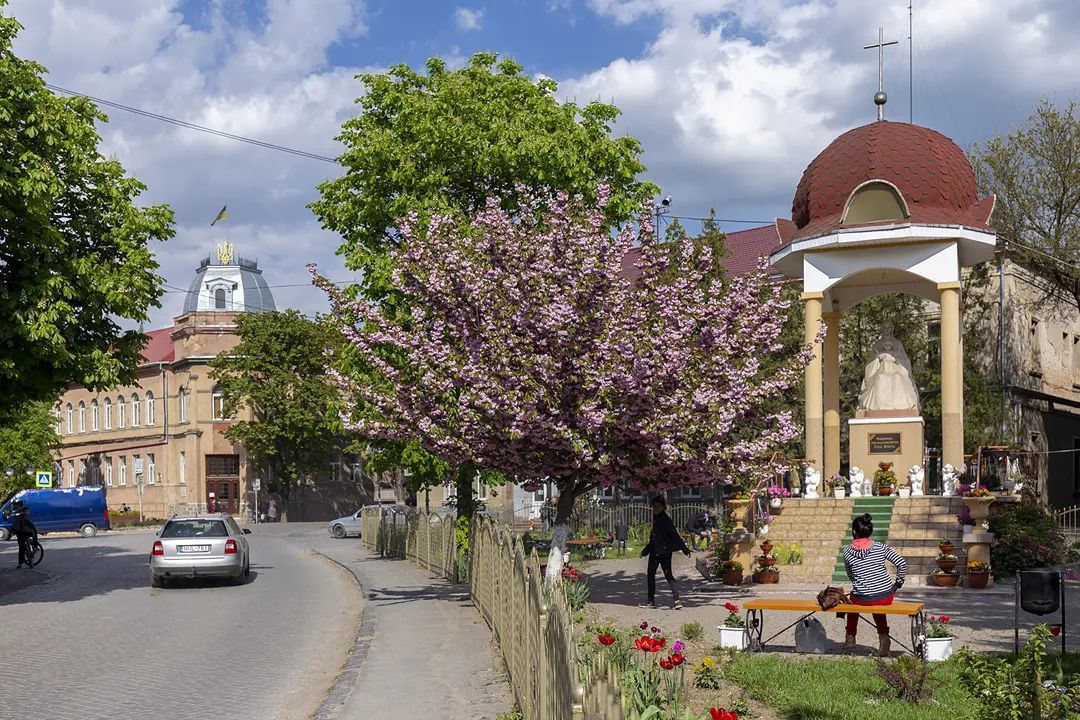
577	594
639	534
908	678
1026	536
781	553
692	631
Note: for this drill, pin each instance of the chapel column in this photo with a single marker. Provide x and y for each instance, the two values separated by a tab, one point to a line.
815	451
952	377
831	394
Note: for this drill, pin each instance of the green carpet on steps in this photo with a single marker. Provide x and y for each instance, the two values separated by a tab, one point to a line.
880	509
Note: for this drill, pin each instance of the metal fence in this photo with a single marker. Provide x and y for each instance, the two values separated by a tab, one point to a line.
403	532
606	517
535	632
1068	520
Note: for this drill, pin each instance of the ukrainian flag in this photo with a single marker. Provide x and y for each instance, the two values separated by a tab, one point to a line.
223	215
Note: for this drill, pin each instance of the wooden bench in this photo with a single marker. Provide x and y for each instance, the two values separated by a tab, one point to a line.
755	621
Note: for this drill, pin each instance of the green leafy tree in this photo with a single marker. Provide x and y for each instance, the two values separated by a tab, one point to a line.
277	374
447	140
27	435
74	255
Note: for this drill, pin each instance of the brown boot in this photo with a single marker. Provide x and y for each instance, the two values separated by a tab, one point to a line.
849	643
884	645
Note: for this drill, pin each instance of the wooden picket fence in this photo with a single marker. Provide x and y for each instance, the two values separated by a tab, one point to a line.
532	623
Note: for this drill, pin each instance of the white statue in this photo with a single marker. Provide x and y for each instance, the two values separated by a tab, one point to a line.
811	480
949	476
887	383
855	479
916	475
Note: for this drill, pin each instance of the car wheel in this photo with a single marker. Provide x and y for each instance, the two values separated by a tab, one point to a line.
339	531
88	530
5	534
247	568
157	581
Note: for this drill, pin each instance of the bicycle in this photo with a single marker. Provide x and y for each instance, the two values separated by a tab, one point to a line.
36	552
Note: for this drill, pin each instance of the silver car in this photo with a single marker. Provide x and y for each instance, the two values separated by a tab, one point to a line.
200	546
345	526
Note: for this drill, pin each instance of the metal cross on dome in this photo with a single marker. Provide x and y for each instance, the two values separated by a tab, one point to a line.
880	97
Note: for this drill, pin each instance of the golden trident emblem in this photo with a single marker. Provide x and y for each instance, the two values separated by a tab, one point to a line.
224	253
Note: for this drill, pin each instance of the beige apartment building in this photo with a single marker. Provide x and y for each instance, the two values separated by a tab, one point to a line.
159	445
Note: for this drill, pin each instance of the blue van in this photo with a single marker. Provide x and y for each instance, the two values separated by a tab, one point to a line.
60	510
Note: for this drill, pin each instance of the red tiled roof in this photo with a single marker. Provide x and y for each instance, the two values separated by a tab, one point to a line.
744	248
929	170
160	346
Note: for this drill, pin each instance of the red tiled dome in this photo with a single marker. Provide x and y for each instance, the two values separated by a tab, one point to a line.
928	169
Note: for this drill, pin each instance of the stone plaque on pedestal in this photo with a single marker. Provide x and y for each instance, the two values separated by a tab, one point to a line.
876	437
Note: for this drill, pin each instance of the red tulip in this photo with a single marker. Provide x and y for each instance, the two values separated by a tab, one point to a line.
944	618
605	639
1055	630
677	659
643	643
722	714
658	644
666	664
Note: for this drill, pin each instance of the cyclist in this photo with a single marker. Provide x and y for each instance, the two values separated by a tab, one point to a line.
24	530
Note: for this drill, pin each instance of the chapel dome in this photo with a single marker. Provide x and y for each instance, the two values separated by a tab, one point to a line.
229	285
930	172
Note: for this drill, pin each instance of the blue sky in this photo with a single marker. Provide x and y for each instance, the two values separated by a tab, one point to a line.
730	98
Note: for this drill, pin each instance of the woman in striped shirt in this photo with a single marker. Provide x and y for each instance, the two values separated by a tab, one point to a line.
871	583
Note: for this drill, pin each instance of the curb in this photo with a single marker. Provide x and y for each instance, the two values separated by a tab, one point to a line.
365	635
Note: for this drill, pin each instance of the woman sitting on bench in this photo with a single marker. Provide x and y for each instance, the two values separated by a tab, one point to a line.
864	560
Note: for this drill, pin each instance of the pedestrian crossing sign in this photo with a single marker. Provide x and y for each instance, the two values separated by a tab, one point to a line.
44	478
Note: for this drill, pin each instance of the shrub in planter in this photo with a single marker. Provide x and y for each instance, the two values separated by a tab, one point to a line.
946	561
1026	537
767	575
945	545
945	578
732	572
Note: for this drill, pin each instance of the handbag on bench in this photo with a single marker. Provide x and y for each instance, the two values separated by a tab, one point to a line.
830	597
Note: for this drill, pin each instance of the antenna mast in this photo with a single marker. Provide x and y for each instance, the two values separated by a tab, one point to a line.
910	65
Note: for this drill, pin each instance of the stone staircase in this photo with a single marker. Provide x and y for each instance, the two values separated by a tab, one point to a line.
918	524
881	510
817	526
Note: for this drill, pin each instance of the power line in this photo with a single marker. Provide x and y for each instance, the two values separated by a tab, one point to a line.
721	220
193	126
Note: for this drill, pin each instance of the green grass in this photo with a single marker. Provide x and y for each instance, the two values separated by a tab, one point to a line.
842	689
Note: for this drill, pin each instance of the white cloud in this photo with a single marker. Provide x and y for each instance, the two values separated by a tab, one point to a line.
468	19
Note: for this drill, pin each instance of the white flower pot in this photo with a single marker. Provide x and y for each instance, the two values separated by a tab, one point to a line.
732	637
938	649
763	530
904	492
839	493
775	503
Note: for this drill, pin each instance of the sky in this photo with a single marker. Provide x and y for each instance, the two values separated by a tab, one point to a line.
731	99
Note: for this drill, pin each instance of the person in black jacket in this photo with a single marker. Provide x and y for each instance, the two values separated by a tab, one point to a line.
23	529
663	541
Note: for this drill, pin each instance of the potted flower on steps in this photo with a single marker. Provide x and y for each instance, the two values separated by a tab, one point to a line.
767	575
978	575
945	545
938	639
946	562
731	572
733	631
884	479
945	578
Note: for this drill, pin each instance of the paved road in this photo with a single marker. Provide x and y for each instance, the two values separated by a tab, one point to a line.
97	641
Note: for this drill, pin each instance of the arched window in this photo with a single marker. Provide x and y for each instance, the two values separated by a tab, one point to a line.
873	201
108	413
59	423
181	401
95	415
219	299
136	410
82	416
217	403
121	412
70	420
149	408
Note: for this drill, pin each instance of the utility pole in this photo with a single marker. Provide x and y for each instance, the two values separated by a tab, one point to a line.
910	65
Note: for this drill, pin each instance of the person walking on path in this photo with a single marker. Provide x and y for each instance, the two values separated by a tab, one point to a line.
271	512
663	541
871	584
24	530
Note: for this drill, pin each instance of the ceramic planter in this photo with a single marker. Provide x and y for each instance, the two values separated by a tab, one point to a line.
839	493
776	502
767	578
884	490
737	512
938	649
732	577
904	492
766	547
766	562
945	579
979	507
978	579
732	637
947	548
947	564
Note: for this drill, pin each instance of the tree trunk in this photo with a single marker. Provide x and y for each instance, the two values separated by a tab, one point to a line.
561	532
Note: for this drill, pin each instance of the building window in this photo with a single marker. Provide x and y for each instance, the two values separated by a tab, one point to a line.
108	414
149	408
82	416
71	473
217	403
123	470
689	493
70	419
181	399
136	410
219	299
222	465
183	468
95	416
121	412
151	469
59	423
108	471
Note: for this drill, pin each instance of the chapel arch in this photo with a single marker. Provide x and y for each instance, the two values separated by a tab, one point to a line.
875	201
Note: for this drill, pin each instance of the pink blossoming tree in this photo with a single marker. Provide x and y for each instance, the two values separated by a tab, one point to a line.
544	347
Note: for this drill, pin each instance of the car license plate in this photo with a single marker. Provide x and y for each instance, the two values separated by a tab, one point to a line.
194	548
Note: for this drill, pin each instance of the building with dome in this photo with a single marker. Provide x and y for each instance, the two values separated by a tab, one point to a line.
159	445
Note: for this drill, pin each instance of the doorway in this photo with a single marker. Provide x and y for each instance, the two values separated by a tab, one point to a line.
223	483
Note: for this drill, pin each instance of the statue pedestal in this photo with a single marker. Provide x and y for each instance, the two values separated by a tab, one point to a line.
889	437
